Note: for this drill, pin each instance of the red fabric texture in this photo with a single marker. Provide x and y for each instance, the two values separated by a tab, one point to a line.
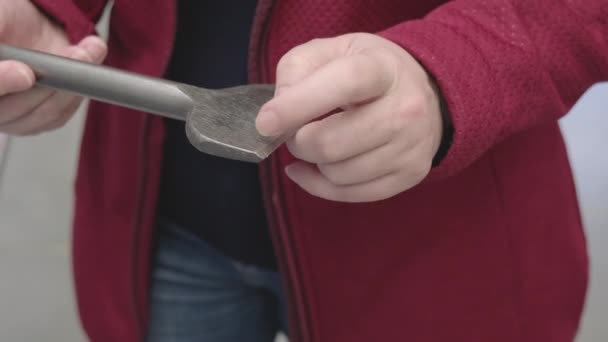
75	16
488	56
489	248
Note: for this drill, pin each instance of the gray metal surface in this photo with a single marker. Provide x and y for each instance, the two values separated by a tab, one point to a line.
219	122
233	132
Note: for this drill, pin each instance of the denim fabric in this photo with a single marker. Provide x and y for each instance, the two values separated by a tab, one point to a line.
200	295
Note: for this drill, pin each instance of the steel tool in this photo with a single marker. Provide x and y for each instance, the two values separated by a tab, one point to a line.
218	122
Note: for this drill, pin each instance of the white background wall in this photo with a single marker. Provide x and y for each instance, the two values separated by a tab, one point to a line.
36	298
586	133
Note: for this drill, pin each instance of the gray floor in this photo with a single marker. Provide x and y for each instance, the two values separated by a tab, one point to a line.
36	301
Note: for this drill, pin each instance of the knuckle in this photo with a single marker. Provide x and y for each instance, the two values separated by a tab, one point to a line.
399	121
350	88
296	150
413	106
354	73
328	148
332	173
418	170
294	60
371	68
362	77
405	111
418	104
316	41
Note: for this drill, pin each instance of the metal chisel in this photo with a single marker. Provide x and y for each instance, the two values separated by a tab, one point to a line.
218	122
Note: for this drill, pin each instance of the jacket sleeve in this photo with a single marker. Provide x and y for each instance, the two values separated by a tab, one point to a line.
504	66
77	17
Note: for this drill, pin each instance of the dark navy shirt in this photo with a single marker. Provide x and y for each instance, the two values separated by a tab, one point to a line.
218	199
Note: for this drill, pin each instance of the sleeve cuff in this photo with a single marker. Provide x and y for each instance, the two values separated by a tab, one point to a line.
445	57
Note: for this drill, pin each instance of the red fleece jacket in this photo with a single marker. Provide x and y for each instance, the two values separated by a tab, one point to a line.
488	248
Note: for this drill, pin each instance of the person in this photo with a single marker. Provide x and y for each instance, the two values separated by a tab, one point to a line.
424	194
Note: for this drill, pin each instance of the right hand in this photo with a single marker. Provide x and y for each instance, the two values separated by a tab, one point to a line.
24	108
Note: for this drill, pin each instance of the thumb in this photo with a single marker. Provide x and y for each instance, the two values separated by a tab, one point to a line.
305	59
91	49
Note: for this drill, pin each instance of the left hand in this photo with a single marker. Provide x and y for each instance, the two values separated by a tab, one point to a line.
388	128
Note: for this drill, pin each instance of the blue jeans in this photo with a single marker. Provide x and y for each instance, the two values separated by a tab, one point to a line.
200	295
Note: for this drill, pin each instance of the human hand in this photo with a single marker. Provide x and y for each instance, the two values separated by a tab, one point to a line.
386	132
24	108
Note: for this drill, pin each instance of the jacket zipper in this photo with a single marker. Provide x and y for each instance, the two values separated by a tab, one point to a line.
142	194
299	324
282	241
137	225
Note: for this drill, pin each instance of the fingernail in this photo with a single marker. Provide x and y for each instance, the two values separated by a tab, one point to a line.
289	171
23	79
80	54
268	123
96	48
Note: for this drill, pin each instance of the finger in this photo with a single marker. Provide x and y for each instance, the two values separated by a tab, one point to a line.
15	106
78	52
343	81
304	59
44	117
95	49
365	167
65	115
20	113
43	109
313	182
342	136
15	77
